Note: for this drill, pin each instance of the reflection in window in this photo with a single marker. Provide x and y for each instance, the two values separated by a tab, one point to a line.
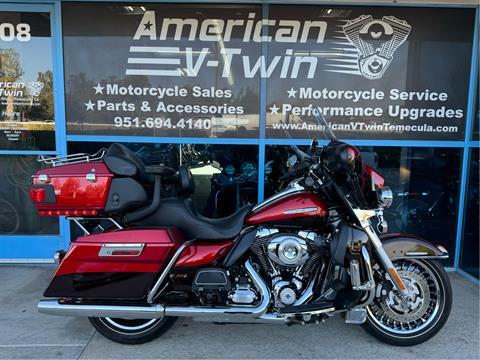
425	187
26	82
279	159
226	176
17	214
150	154
471	234
424	182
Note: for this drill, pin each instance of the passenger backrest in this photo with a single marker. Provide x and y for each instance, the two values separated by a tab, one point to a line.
123	162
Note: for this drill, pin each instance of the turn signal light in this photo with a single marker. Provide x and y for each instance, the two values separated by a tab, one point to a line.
92	212
37	194
378	181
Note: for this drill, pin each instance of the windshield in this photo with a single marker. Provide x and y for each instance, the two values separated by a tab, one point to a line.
327	131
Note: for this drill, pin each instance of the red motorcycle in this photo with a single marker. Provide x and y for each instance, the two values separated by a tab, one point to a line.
301	256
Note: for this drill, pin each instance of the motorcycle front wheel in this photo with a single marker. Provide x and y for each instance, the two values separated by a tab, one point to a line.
407	322
132	331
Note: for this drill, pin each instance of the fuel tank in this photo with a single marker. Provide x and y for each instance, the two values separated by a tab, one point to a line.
290	209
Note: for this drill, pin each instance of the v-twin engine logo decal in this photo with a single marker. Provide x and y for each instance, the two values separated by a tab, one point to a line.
374	42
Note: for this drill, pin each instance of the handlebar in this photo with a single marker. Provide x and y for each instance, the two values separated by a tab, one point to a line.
301	154
295	171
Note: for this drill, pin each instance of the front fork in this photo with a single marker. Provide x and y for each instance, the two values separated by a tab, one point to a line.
386	262
363	217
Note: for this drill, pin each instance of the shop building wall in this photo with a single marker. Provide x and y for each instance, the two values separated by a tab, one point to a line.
452	157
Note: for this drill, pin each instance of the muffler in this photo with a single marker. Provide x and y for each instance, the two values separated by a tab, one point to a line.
53	307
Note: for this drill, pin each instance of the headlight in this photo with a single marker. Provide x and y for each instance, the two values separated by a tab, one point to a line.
385	197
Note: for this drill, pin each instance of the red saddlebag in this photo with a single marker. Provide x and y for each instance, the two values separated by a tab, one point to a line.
120	264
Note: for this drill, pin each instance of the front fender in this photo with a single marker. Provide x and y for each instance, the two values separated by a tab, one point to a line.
403	246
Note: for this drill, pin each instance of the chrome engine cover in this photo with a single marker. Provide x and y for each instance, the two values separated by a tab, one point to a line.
243	294
288	250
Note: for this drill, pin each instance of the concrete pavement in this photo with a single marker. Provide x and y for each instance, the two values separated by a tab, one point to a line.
26	334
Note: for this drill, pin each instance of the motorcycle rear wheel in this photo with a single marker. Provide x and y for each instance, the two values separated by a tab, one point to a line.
132	331
396	323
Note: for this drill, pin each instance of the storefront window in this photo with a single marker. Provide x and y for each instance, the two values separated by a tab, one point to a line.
424	182
26	82
17	214
471	234
374	73
160	70
227	181
226	176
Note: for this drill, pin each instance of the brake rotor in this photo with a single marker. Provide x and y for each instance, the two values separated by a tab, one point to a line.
415	306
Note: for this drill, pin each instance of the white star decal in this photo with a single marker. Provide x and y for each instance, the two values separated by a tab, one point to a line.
99	89
292	93
274	109
90	105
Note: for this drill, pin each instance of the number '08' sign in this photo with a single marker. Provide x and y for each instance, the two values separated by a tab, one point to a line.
10	32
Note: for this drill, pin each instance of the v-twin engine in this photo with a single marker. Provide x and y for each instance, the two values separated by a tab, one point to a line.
290	260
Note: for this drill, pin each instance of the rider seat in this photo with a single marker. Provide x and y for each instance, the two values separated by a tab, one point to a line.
179	212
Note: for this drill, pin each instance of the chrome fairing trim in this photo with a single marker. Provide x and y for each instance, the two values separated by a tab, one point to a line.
121	249
404	246
288	191
420	257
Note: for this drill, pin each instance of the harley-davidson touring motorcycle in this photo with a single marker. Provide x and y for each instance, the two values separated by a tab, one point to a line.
316	249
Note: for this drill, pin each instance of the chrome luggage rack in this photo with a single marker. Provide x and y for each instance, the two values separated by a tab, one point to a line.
71	159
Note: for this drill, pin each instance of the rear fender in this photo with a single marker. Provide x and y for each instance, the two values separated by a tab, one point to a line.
405	246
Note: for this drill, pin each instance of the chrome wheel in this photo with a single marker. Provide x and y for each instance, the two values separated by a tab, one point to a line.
129	325
416	314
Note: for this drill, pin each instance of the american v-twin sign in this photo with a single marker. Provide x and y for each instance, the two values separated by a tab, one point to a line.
373	43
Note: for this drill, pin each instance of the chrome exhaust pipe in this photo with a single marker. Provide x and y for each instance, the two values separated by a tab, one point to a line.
268	318
53	307
228	312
